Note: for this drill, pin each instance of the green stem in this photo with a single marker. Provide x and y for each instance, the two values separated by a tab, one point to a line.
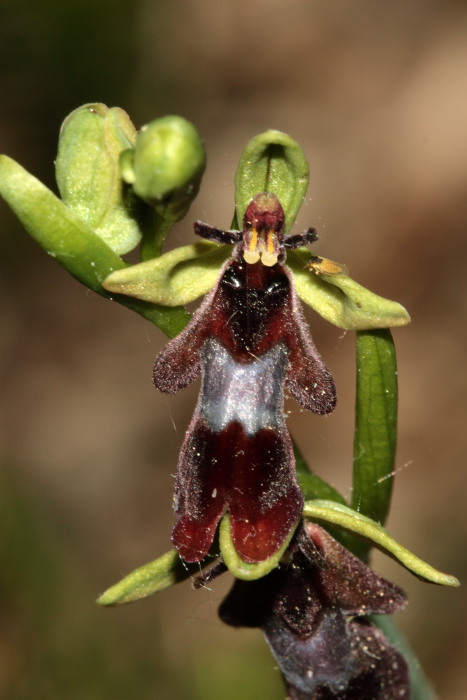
312	485
153	240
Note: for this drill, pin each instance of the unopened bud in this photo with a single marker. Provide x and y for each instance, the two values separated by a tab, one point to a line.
91	140
166	165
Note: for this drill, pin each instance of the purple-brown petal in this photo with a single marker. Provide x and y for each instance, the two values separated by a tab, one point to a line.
345	579
380	671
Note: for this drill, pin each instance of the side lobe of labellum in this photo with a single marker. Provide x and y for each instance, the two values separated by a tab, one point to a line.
309	380
179	363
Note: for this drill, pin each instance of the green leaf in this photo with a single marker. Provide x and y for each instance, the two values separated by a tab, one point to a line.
314	487
375	423
272	162
175	278
340	300
375	428
238	566
149	579
71	242
345	517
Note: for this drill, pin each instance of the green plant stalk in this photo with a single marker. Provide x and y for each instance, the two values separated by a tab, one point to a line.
153	240
312	485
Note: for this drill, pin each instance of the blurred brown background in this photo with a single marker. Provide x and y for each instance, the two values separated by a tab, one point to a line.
376	93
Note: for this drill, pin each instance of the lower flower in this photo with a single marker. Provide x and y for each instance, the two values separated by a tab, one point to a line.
313	611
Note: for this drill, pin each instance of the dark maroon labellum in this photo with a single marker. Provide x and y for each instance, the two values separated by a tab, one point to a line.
249	340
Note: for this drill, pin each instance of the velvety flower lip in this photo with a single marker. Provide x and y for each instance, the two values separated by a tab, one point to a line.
312	611
229	470
250	343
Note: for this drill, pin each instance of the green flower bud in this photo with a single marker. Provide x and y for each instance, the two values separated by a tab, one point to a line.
166	165
91	140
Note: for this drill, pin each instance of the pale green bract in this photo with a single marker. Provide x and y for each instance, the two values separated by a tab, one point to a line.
149	579
71	242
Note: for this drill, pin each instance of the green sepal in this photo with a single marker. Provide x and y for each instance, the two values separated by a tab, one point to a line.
341	301
175	278
184	274
65	237
151	578
351	520
272	162
238	566
87	169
